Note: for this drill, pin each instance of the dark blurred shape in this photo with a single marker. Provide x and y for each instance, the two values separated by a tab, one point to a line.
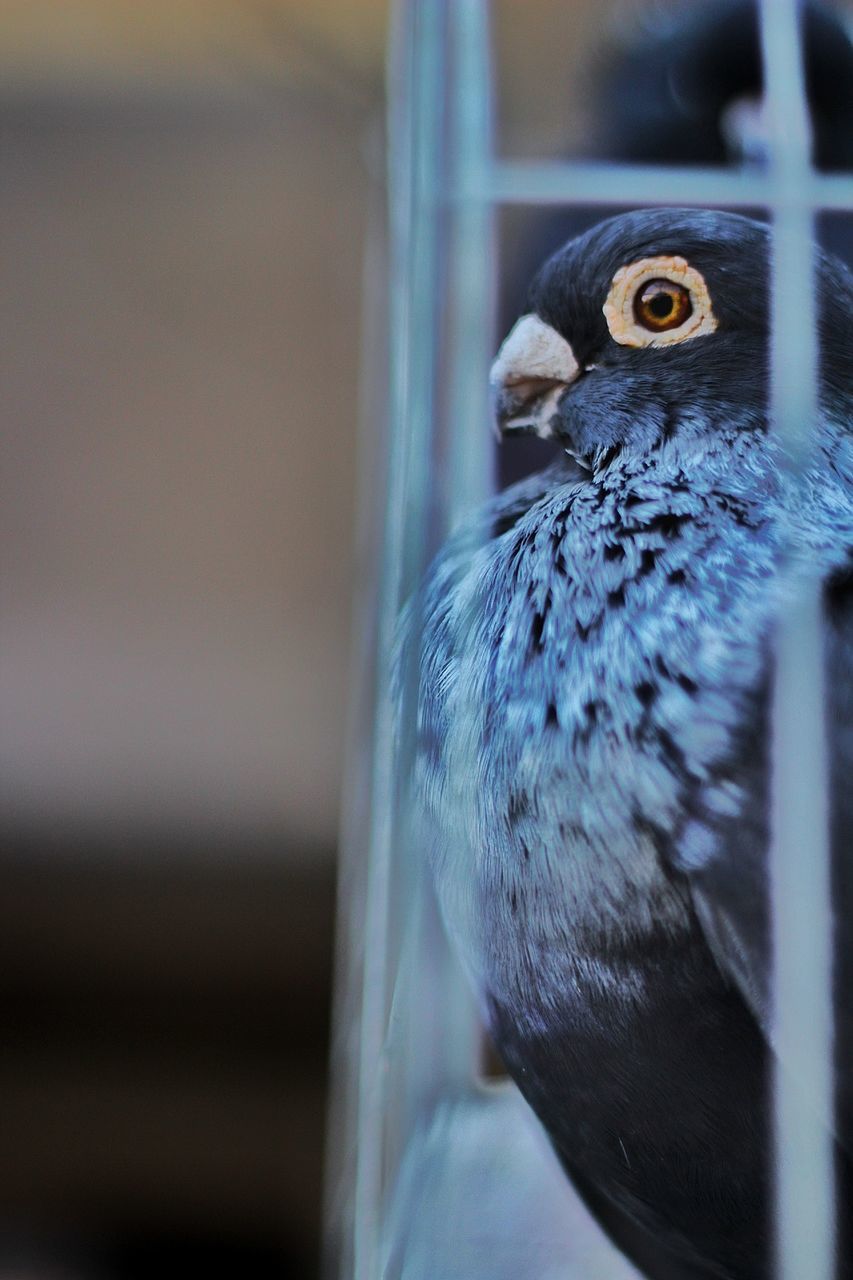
668	93
164	1011
147	1257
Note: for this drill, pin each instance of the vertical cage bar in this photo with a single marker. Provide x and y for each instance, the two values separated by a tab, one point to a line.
415	145
800	857
342	1121
467	469
472	259
433	1018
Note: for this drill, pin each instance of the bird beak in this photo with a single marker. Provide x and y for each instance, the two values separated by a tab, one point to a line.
533	368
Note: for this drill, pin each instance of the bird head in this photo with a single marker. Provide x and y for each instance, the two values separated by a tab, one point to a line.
654	325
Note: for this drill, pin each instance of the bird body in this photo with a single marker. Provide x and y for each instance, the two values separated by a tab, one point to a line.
592	755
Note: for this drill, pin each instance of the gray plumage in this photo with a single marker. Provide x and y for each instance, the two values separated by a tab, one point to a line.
594	653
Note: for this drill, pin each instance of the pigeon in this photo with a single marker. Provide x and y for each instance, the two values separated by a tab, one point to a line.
590	766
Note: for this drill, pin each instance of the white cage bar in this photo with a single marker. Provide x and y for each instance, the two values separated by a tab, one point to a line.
799	886
444	186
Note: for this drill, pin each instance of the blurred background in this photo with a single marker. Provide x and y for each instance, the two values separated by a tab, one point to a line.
184	188
186	191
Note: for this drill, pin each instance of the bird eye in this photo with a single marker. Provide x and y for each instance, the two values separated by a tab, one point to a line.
662	304
656	302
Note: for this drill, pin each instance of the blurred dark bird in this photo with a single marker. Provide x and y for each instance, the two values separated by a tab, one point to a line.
593	652
686	87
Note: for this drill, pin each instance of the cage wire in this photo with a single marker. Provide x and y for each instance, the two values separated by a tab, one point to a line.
405	1026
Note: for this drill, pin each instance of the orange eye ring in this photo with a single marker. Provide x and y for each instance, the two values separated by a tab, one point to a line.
634	317
662	304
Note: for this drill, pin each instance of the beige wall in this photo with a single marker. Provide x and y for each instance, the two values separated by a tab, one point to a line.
181	294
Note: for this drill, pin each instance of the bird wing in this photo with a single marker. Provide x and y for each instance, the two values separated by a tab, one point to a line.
729	872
